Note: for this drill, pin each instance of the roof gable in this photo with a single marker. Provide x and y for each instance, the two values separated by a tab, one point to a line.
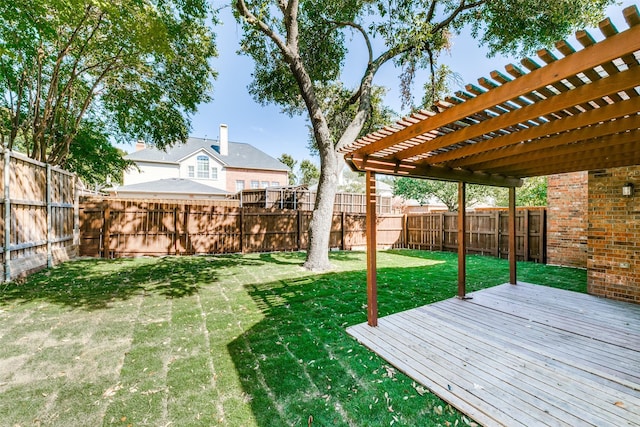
170	185
241	155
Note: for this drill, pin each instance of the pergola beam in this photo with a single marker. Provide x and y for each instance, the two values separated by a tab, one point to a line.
611	161
568	143
431	172
470	154
590	57
618	82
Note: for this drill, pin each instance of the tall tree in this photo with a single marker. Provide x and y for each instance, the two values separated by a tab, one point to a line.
424	190
93	158
288	160
300	46
532	193
309	173
139	66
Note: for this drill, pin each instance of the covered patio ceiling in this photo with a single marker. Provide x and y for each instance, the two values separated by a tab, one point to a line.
547	116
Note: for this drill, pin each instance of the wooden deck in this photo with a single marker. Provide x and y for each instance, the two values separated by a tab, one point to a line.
522	355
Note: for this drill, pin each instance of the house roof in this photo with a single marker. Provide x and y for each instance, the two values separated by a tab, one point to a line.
241	155
170	186
570	110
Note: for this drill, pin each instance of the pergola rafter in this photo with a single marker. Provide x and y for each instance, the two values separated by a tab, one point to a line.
578	110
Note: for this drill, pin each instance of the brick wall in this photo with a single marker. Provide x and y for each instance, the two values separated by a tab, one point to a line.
248	175
567	201
614	235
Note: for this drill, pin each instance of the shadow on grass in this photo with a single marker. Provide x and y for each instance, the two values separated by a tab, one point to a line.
299	362
92	284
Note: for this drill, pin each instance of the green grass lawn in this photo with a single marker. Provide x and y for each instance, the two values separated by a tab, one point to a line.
251	340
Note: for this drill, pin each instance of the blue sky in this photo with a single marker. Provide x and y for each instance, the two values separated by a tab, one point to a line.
274	132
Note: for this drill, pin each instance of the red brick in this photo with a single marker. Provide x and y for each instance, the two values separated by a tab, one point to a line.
590	224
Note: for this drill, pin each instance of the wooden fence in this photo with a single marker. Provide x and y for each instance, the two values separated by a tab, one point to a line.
39	219
487	233
300	198
118	227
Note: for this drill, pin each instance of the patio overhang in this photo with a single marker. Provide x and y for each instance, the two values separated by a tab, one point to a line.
573	110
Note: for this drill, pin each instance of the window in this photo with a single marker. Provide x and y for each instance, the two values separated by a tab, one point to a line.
275	184
192	171
214	173
264	184
239	185
203	167
255	184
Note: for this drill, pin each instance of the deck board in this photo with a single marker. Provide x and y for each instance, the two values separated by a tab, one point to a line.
521	355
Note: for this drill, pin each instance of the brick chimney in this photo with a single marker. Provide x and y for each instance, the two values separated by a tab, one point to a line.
140	145
224	140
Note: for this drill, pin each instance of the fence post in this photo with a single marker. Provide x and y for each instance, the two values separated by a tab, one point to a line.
106	230
405	230
496	234
76	213
299	230
342	224
241	228
543	236
49	219
7	216
176	251
526	233
185	225
442	231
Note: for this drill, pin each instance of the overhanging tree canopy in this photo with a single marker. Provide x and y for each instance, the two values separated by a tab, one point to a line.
131	68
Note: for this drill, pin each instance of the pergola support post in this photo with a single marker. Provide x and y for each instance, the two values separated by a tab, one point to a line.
372	285
512	237
462	243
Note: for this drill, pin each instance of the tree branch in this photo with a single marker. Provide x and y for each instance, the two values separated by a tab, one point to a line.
50	110
291	23
432	10
433	74
394	51
373	68
365	36
62	148
251	19
461	8
292	58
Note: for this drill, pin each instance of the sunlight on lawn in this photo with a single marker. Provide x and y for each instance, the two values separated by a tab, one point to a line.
251	340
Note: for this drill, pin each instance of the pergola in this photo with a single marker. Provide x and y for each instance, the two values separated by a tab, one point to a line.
574	110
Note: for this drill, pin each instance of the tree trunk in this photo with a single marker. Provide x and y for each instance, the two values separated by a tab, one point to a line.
322	217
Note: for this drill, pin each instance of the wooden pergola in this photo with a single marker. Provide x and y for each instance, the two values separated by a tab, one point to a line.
574	110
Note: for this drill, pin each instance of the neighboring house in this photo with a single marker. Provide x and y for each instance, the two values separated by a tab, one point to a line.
223	165
169	188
